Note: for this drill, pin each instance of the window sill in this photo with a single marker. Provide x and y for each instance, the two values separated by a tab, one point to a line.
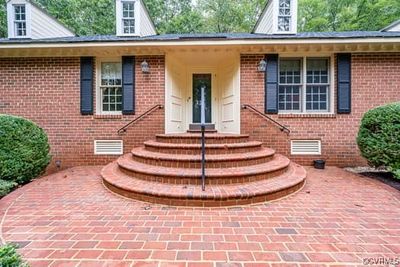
305	115
109	116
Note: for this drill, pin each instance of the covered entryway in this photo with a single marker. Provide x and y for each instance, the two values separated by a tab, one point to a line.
186	73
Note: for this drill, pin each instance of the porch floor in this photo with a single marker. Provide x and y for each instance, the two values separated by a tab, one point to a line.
69	219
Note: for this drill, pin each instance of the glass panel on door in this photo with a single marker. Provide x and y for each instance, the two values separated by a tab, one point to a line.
200	80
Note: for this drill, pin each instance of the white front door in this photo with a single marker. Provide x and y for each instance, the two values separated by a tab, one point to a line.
175	103
229	97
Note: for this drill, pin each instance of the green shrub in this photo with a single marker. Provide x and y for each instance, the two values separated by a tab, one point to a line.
24	149
379	137
9	257
6	187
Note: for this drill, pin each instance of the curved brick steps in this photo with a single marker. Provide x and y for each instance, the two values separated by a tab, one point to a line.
194	161
195	138
172	175
214	196
167	170
195	149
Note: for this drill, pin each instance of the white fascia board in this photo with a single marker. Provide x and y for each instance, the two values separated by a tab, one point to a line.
394	40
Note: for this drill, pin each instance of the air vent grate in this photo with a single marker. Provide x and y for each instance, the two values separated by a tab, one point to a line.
108	147
306	147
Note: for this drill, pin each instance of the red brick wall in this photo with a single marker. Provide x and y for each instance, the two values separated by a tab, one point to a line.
47	91
375	81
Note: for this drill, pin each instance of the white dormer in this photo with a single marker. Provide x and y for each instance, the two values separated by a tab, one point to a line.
133	19
27	20
278	17
394	27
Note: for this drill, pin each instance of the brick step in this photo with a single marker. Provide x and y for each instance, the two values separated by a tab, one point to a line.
214	196
160	174
199	131
195	149
142	155
195	138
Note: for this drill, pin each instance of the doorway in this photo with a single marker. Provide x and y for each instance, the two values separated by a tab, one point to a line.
199	81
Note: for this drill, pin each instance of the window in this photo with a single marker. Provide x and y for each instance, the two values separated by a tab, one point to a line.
317	90
304	91
284	17
128	17
20	20
290	84
111	87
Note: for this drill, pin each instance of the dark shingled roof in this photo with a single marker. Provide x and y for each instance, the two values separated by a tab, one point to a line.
209	36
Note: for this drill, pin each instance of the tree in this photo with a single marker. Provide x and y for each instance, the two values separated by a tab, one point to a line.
175	16
345	15
230	15
90	17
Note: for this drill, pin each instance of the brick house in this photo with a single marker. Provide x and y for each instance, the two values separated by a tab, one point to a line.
83	89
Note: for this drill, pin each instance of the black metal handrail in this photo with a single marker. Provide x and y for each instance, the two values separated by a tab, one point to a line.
282	127
151	110
203	139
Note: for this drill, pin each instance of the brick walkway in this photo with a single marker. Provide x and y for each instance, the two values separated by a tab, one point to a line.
69	219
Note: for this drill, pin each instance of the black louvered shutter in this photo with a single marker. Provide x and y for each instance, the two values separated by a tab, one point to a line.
128	85
344	83
87	68
271	84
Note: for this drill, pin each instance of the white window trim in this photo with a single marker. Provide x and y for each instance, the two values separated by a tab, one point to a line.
11	19
331	74
293	20
99	101
119	16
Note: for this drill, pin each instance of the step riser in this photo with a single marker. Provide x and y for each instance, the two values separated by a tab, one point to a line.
197	140
197	151
197	164
226	202
184	180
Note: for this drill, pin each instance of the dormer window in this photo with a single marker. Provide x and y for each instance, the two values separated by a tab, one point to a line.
20	20
133	19
128	17
285	16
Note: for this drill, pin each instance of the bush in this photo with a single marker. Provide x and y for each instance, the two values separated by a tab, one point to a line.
379	137
6	187
9	257
24	149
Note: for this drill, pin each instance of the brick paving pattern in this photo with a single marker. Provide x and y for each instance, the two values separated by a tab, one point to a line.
70	219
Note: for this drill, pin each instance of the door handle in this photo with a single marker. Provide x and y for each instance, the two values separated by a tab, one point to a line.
188	99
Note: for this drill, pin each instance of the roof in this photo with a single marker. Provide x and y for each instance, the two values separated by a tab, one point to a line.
394	24
208	36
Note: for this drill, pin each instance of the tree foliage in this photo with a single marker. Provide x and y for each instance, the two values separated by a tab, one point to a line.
345	15
90	17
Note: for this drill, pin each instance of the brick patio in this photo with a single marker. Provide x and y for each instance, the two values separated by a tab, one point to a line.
70	219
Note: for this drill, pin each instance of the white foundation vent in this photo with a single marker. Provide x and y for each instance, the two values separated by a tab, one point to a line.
306	147
108	147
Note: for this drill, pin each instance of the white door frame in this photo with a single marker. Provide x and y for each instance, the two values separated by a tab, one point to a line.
214	94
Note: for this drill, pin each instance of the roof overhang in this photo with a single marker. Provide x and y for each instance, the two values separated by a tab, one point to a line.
354	45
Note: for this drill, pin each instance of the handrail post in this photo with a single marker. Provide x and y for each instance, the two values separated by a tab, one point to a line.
203	139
